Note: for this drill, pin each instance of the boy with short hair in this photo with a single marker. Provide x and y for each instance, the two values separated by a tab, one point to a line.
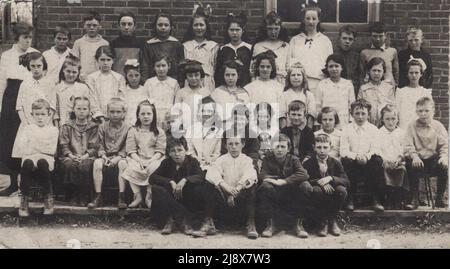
86	46
379	49
426	150
232	184
57	54
329	182
281	177
301	136
414	37
39	141
126	45
182	177
111	161
361	154
347	37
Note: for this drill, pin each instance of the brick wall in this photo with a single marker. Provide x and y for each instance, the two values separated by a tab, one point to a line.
431	15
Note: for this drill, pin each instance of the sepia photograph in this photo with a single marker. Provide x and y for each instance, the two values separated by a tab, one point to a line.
224	124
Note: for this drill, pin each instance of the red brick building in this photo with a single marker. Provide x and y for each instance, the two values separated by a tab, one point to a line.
431	15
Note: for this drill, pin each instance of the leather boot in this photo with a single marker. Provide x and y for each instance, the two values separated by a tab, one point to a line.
97	202
136	201
333	227
121	203
187	228
251	229
208	228
268	231
299	231
168	227
349	206
414	201
23	209
49	205
323	229
376	206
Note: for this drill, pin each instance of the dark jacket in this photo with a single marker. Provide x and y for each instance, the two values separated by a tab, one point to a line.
335	170
291	170
190	169
242	54
73	140
306	141
125	47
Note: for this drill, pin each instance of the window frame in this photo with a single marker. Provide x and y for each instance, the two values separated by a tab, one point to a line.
374	10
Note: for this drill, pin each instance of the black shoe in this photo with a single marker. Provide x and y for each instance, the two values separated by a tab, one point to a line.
440	202
333	227
168	228
376	206
268	231
323	230
299	230
97	201
121	203
251	230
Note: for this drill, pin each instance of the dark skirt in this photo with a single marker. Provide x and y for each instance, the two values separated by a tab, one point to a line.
9	124
77	173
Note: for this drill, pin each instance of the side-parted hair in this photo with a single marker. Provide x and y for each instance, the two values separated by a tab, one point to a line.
105	50
288	83
425	100
328	109
117	101
32	56
176	142
377	27
282	138
361	104
322	138
376	61
153	127
338	59
297	105
348	29
39	104
22	28
267	55
62	28
127	14
70	60
92	15
272	18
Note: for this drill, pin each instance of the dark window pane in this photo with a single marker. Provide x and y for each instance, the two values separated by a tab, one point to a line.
355	11
290	10
329	8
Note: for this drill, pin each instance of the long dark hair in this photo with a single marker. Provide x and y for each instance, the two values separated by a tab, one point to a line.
241	20
163	14
272	18
267	55
153	127
239	69
189	34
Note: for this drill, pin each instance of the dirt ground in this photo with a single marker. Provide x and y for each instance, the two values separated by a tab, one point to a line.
58	237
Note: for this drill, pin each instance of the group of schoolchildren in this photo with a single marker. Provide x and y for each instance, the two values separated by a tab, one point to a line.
197	129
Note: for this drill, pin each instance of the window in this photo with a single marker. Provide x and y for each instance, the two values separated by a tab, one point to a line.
358	12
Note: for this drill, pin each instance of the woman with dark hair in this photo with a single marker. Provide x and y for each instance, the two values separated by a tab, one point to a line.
163	43
311	47
272	36
235	48
12	73
198	45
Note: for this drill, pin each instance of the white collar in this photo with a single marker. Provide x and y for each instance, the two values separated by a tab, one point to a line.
364	127
243	44
382	48
157	40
